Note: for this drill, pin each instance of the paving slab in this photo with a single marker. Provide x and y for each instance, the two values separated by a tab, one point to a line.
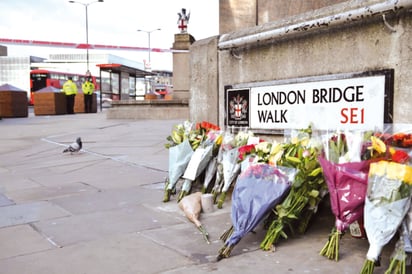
21	240
99	225
43	193
119	254
14	181
108	199
5	201
29	213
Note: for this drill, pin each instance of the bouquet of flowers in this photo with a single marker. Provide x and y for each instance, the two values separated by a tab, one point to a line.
184	139
200	160
403	247
191	206
230	170
386	204
398	257
347	185
308	188
347	177
246	156
181	142
210	174
257	190
228	165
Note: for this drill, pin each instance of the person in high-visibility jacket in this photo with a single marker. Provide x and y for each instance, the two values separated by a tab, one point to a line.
70	89
88	89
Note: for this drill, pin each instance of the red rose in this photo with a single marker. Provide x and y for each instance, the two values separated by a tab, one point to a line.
400	156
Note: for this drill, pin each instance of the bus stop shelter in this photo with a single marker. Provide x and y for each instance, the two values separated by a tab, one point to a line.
121	82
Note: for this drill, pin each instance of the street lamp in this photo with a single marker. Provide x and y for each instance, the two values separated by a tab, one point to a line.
148	36
86	5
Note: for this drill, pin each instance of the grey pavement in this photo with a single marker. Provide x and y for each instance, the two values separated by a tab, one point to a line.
101	210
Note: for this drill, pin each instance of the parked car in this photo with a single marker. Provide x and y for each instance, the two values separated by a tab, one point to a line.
162	90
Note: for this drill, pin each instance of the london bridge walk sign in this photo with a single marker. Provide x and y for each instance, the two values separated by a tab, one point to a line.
343	101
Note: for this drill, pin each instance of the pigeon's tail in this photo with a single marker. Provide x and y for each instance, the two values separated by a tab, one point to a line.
66	150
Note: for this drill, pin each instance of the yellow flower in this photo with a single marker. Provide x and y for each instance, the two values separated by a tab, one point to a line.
276	147
378	145
294	140
408	175
305	141
392	170
274	158
378	169
395	171
219	139
264	147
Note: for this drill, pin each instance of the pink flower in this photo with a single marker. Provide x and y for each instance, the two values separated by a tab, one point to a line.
306	153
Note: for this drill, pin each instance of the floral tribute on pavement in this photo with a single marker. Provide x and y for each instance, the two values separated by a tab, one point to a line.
366	176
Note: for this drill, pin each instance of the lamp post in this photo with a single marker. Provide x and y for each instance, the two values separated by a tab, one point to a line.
86	5
148	38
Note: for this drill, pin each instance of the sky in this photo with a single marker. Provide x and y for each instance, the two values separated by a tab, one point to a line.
113	22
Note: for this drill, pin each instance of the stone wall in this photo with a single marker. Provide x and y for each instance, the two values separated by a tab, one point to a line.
204	81
236	15
360	45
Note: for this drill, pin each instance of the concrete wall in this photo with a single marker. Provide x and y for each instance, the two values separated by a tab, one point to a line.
362	45
204	81
236	15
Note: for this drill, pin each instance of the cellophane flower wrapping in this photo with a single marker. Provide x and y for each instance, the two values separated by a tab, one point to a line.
202	155
343	146
210	174
347	184
179	157
386	205
200	160
192	207
408	232
228	160
257	190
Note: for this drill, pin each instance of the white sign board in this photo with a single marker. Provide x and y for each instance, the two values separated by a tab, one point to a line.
352	103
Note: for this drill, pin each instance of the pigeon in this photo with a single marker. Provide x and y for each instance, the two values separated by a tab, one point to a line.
74	147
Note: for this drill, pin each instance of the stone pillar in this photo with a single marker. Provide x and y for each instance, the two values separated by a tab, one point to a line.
181	66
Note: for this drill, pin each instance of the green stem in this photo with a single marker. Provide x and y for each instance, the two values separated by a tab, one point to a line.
273	234
227	234
222	199
368	267
331	248
224	252
204	233
182	194
166	197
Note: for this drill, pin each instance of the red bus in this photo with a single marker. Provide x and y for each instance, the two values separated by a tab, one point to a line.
41	78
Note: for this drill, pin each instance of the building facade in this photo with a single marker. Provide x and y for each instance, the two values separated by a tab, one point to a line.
16	72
